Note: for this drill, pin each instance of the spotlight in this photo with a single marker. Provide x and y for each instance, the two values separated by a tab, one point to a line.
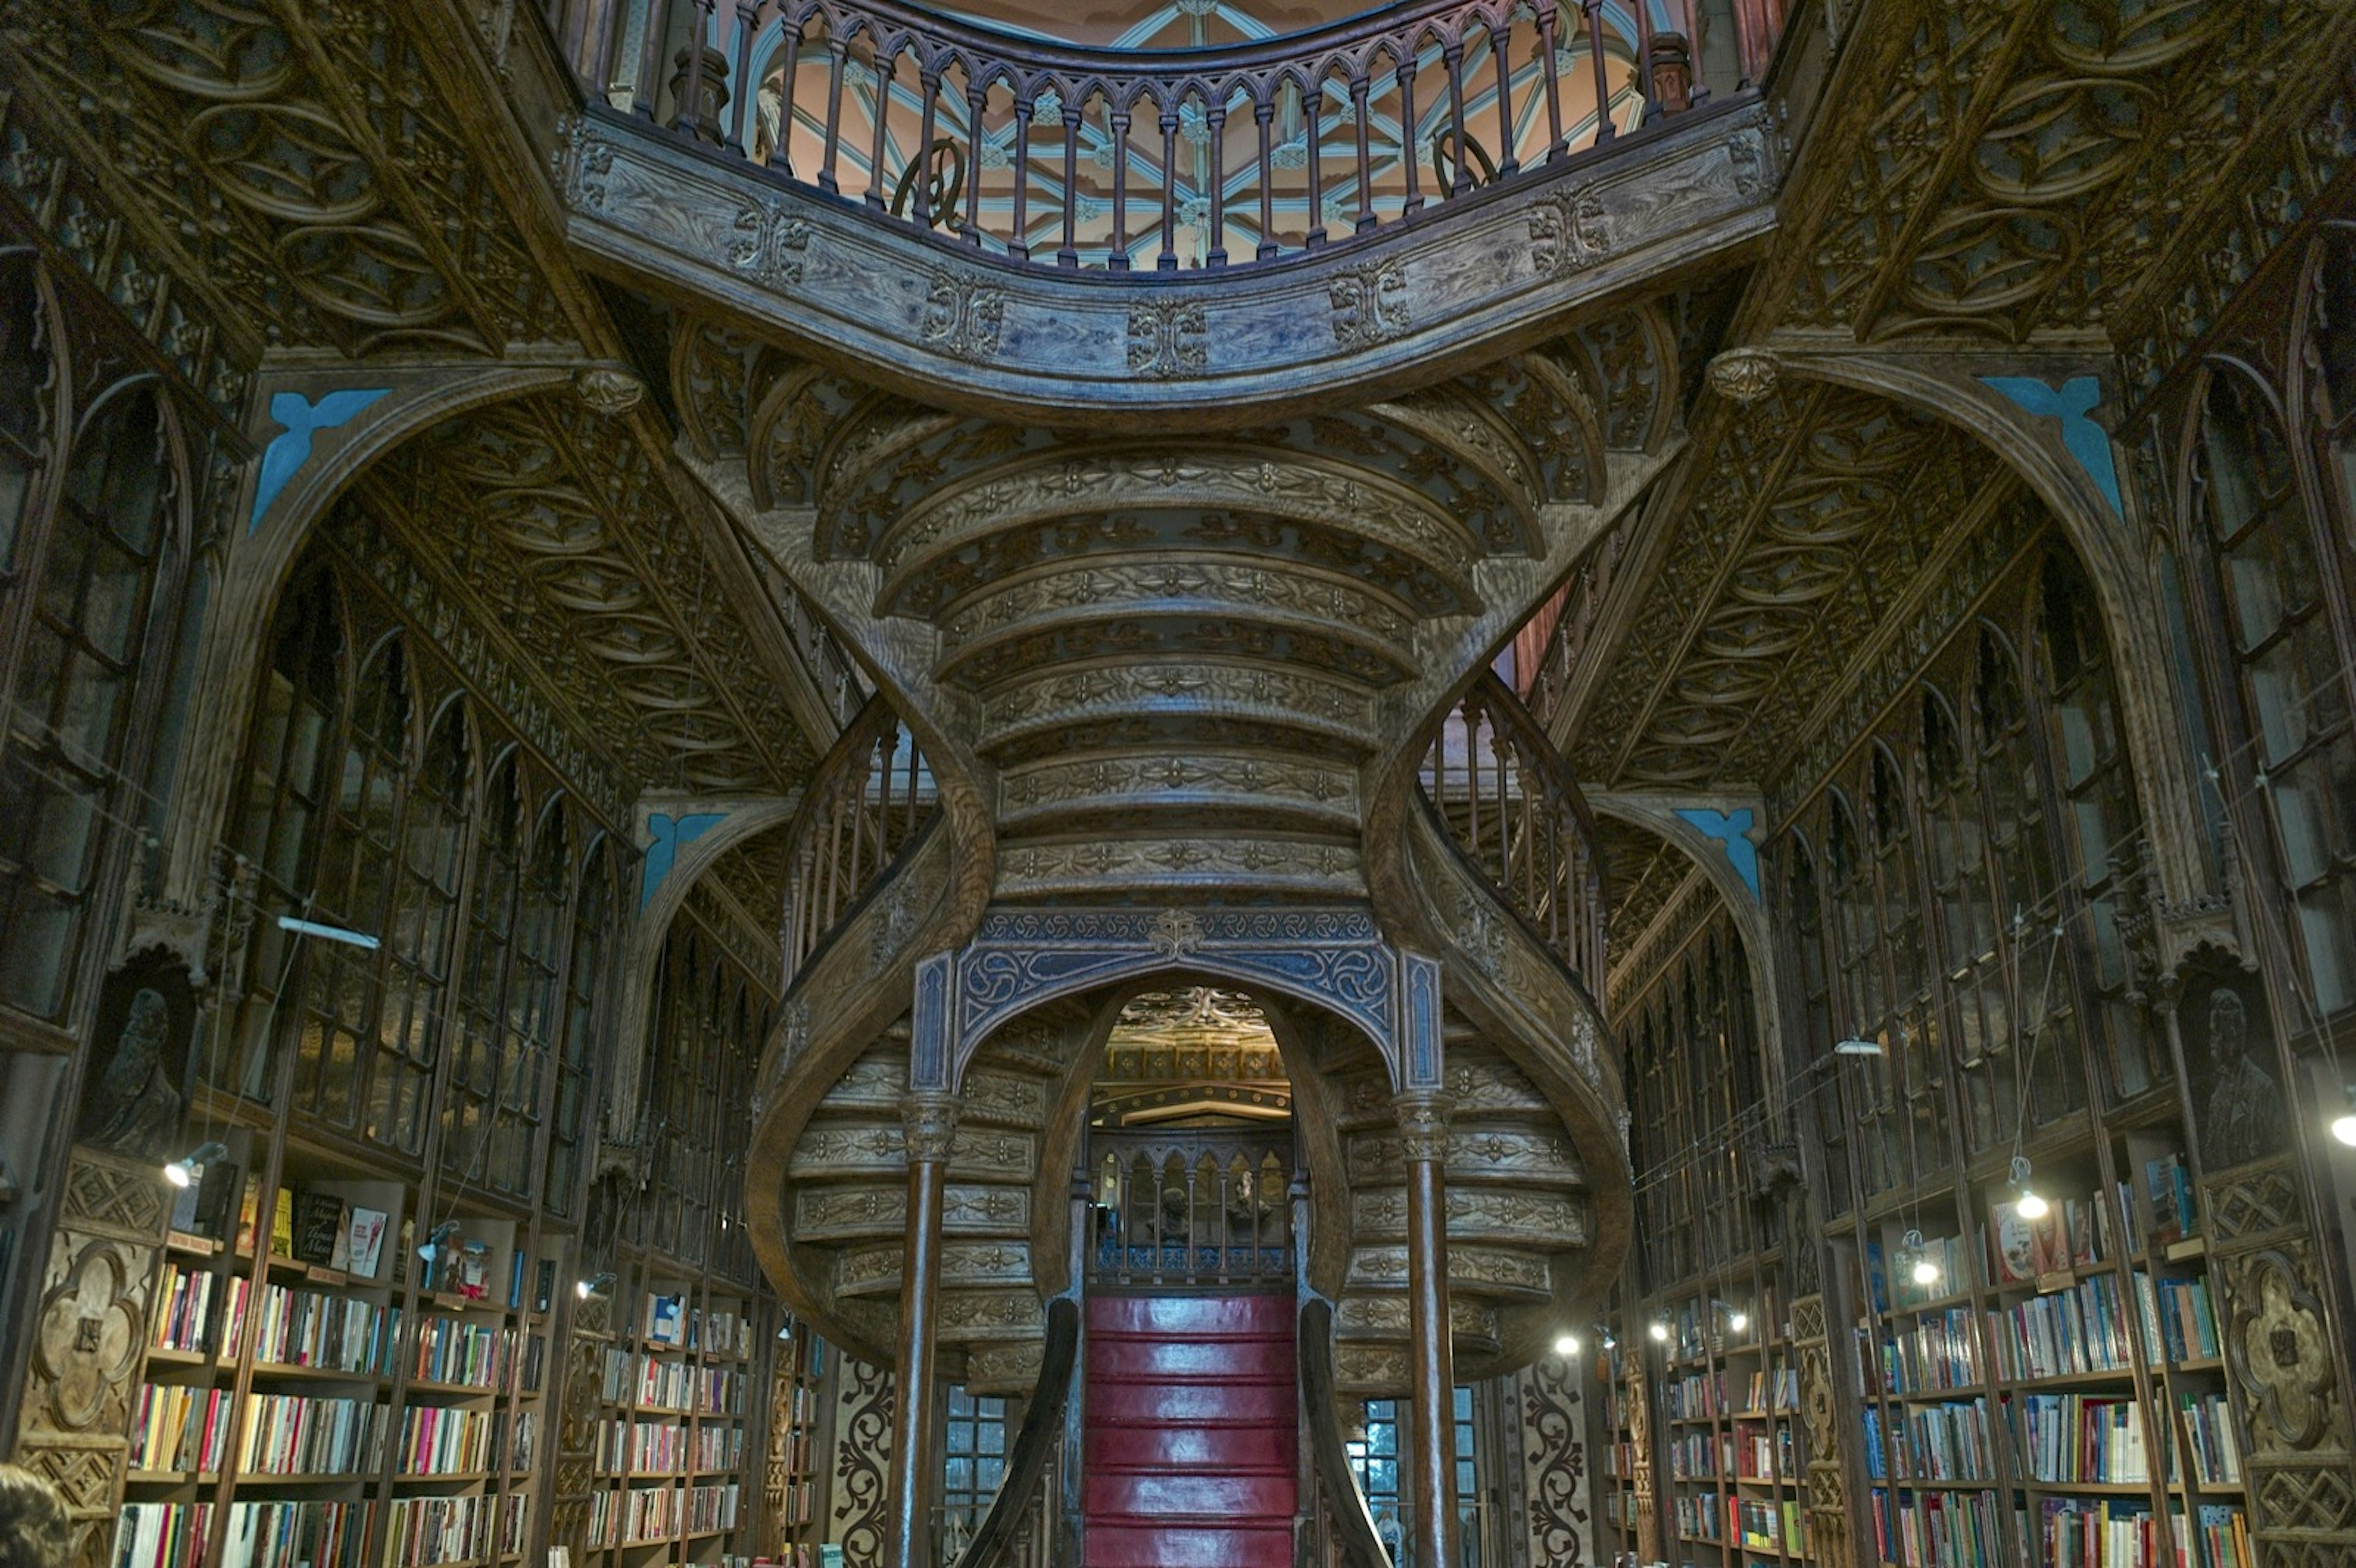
431	1248
182	1171
2344	1128
1660	1332
1610	1343
1925	1272
597	1287
1738	1321
1567	1347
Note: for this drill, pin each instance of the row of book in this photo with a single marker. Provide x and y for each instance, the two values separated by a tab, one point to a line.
179	1429
627	1448
1937	1530
1939	1443
474	1355
296	1435
422	1531
184	1309
439	1441
712	1507
2080	1533
259	1535
641	1448
1759	1525
1701	1516
1763	1452
670	1321
2208	1433
2069	1333
1695	1454
1774	1392
1934	1354
2178	1318
2079	1438
300	1328
1695	1397
636	1514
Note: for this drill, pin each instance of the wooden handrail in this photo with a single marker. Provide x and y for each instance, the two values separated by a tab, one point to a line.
869	803
1502	795
1072	154
1034	1443
1358	1545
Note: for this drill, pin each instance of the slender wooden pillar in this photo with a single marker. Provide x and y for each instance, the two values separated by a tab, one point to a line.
930	1122
1423	1139
1422	1106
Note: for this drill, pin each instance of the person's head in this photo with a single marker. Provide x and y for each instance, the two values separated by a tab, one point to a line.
2228	1024
35	1529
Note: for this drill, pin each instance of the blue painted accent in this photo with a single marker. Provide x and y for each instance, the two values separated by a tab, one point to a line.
1732	829
2086	440
287	454
666	835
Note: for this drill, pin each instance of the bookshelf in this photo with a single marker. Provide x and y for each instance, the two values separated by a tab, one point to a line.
797	1434
2048	1389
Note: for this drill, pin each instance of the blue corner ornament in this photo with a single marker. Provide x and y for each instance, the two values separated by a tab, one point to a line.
2081	437
285	457
1732	829
666	835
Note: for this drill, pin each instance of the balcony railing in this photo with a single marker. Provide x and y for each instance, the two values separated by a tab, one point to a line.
1506	800
1082	156
1196	1208
870	801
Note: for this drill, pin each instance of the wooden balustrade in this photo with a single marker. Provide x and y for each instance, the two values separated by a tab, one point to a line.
1503	794
1191	1207
869	803
1075	155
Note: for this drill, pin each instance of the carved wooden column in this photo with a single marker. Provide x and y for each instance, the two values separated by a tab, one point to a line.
930	1122
1423	1143
1423	1107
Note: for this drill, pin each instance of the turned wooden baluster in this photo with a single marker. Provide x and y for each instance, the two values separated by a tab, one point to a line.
1264	114
1117	121
781	154
1546	21
741	92
1453	56
1604	129
1407	68
878	193
840	49
1018	244
1215	115
1358	115
1167	260
975	98
1069	256
928	83
1312	115
648	87
1501	38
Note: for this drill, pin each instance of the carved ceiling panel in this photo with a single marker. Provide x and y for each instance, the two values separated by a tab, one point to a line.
1645	872
1812	515
300	160
2041	168
565	536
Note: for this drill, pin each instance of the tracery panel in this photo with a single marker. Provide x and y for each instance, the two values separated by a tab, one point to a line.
87	538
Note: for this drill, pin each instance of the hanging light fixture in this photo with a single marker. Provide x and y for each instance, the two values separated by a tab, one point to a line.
182	1172
1925	1271
2030	1206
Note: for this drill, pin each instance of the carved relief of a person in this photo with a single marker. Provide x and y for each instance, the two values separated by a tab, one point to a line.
135	1106
2243	1119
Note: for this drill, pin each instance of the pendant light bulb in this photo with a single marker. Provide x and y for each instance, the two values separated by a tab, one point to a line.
1925	1272
1660	1332
2031	1206
2344	1129
1567	1347
1738	1321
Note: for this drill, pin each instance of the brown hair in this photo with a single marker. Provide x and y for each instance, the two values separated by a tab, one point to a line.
35	1529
